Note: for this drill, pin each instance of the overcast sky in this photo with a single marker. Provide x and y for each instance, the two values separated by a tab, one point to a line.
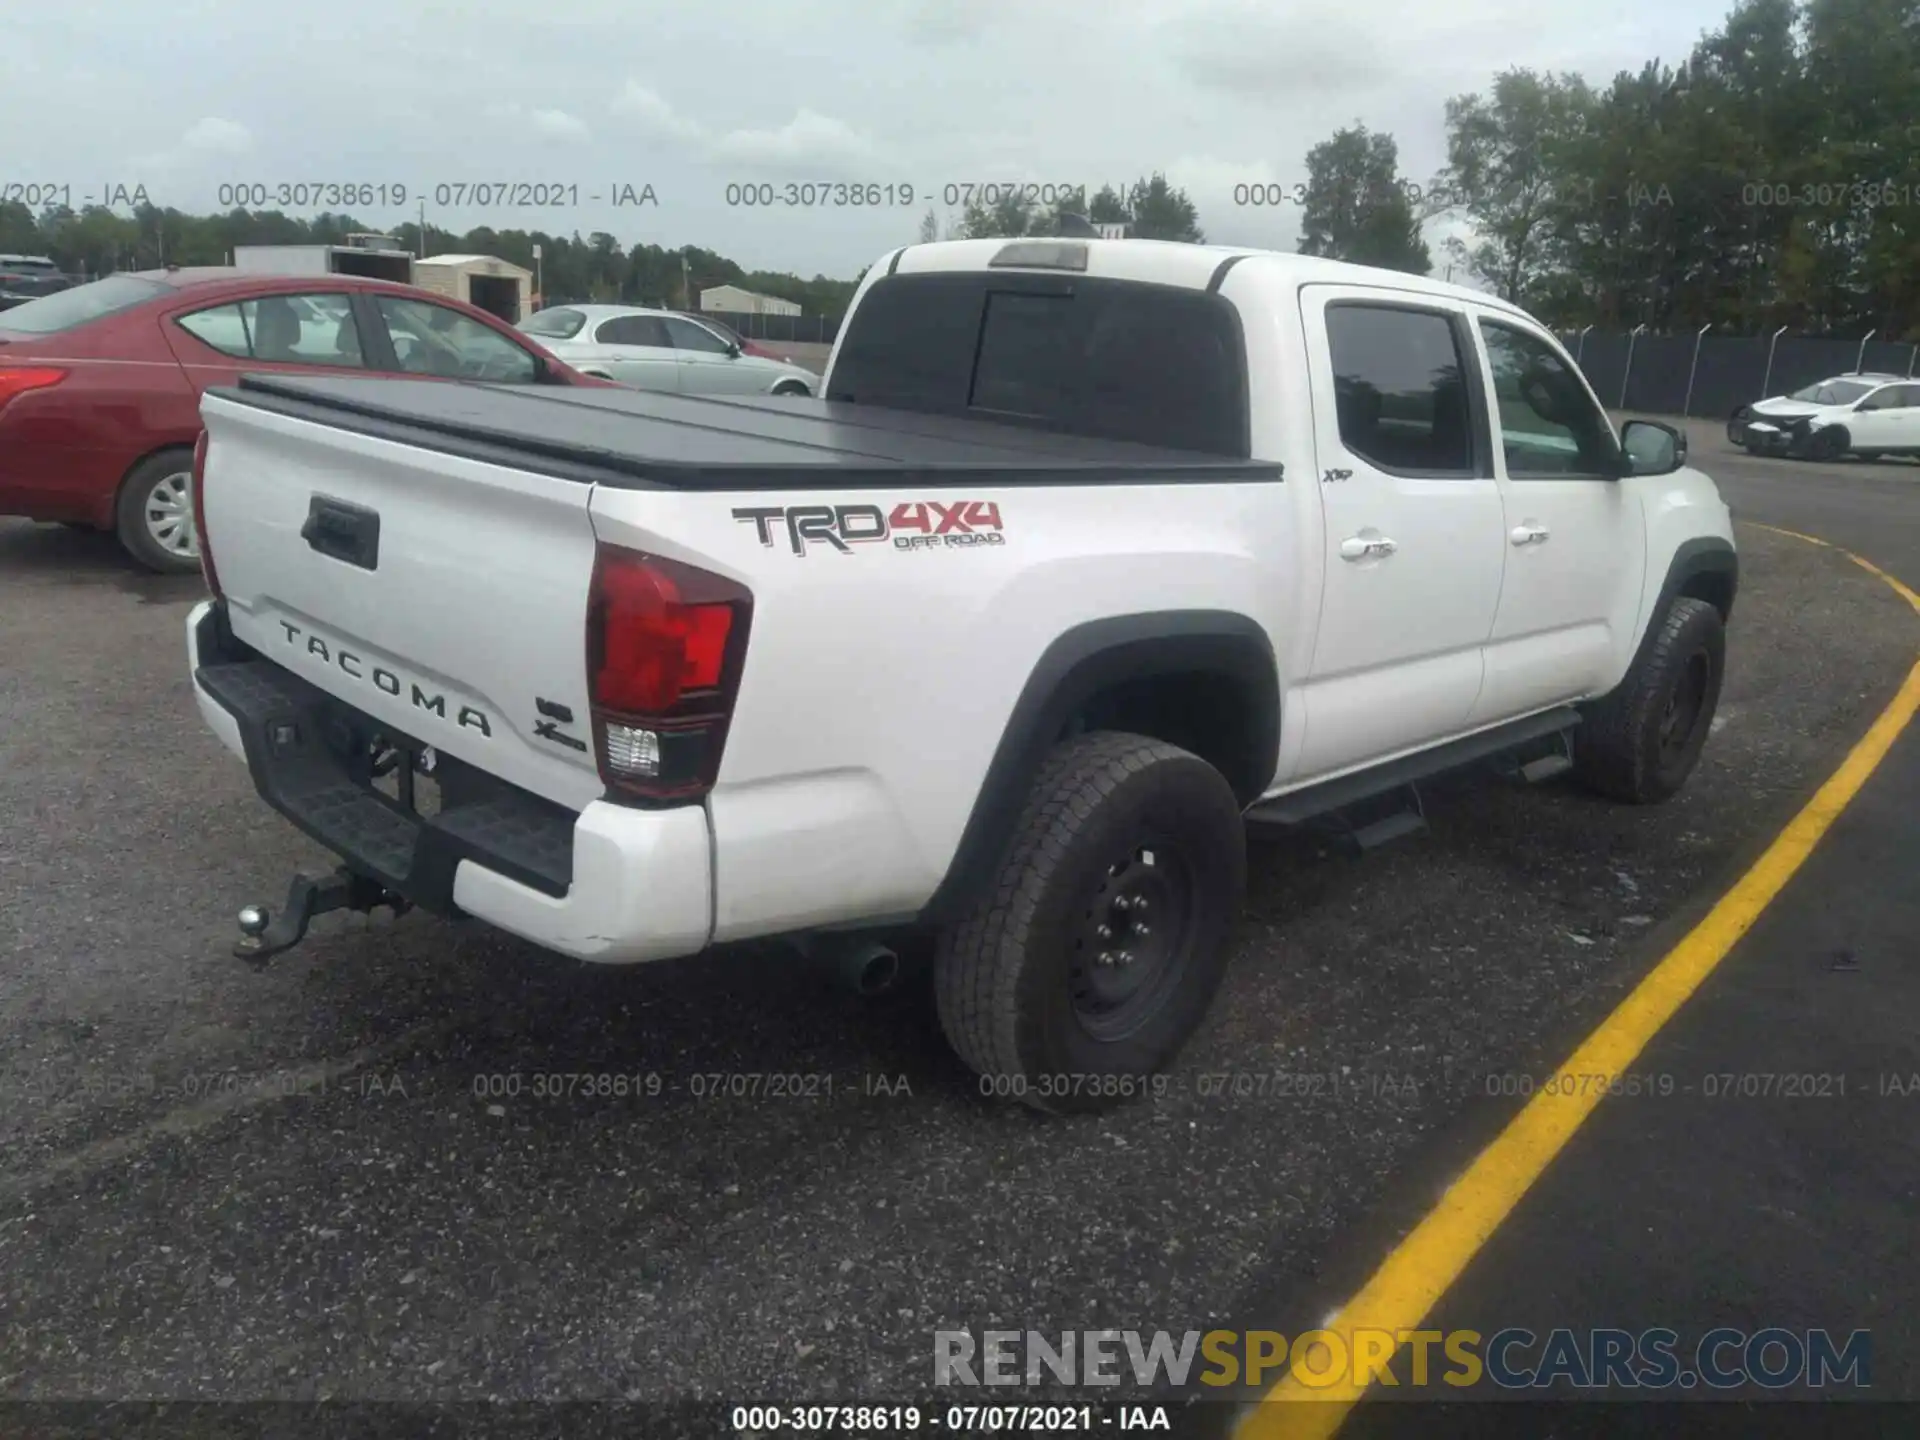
689	97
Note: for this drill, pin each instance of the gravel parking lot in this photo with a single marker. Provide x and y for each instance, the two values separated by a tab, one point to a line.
299	1183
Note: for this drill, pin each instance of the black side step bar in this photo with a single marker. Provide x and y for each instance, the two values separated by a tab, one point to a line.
1312	801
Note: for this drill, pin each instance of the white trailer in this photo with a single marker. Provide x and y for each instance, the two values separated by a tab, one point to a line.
373	262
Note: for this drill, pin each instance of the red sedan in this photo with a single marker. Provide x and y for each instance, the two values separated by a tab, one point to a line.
100	385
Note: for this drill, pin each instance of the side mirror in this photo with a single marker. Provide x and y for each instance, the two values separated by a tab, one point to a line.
1650	448
733	351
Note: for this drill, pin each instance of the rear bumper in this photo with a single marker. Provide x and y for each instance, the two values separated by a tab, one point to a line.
611	884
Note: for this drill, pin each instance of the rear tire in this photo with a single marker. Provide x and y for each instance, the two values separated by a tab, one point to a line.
1094	952
1640	743
155	514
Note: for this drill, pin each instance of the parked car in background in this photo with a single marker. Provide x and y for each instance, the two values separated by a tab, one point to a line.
660	350
727	332
28	277
100	384
1866	414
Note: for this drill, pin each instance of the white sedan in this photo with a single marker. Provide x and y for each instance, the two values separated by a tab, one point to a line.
1864	414
658	350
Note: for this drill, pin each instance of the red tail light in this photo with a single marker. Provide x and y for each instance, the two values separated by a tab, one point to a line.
200	513
18	379
665	645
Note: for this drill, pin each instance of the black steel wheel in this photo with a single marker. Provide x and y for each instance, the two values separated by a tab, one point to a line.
1641	742
1094	952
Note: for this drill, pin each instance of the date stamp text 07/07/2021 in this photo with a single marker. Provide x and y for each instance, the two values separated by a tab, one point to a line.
321	193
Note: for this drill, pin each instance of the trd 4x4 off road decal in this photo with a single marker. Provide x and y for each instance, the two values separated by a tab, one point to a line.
913	525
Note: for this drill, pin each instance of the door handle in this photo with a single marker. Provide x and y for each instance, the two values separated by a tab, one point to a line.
1356	547
1528	534
347	532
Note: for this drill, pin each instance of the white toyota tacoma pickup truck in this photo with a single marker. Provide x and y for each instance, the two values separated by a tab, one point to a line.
1088	552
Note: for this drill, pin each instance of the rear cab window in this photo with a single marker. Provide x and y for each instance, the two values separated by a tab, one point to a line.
1111	359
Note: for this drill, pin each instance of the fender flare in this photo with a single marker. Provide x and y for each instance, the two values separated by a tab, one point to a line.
1703	557
1077	666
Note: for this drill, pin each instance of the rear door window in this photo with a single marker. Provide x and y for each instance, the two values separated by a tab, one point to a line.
1114	359
316	329
1400	389
697	338
645	330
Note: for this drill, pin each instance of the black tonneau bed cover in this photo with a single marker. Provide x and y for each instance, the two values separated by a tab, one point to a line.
639	439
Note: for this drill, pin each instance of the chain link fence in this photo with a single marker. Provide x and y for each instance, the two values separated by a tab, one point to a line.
811	329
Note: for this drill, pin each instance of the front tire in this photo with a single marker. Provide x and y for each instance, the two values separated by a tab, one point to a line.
1094	952
1640	743
1829	444
155	515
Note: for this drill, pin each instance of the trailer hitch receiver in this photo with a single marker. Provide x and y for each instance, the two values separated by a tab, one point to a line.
264	934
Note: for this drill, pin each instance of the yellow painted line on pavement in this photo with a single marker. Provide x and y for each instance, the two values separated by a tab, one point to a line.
1782	530
1309	1403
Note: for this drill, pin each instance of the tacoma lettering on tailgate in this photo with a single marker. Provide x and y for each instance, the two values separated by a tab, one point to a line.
381	678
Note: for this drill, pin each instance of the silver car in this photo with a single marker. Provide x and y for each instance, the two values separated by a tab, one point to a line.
658	350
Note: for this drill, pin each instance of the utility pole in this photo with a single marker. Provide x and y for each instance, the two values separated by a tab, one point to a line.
686	284
420	242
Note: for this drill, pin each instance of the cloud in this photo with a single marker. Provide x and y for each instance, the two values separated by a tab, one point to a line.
648	109
547	124
955	22
1225	192
209	136
809	138
215	136
948	22
559	125
1262	55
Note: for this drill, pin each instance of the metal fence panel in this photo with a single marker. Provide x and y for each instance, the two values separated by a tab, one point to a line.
1732	369
1604	357
816	329
1658	380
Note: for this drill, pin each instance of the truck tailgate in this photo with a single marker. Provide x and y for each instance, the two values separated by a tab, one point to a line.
442	595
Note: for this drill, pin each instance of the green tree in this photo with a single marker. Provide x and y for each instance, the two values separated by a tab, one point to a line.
1108	206
1157	210
1010	214
929	228
1356	206
1504	161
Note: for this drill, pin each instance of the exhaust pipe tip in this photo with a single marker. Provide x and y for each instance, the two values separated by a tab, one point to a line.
864	967
879	971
